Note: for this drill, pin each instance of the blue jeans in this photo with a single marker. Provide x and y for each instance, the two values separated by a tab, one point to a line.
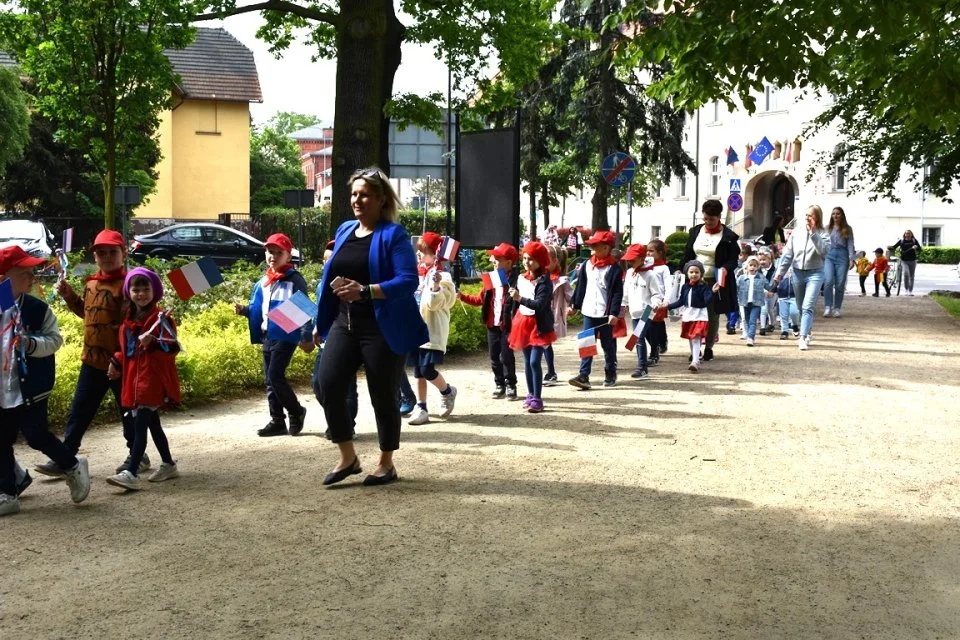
92	386
806	284
789	313
352	400
533	370
835	269
750	319
607	342
641	344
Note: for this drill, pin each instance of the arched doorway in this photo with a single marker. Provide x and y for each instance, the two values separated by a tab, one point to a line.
767	194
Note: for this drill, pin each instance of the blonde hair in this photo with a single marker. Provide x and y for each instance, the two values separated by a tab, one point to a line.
558	255
817	214
379	182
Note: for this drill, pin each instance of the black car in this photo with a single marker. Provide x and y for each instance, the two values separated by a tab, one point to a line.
200	239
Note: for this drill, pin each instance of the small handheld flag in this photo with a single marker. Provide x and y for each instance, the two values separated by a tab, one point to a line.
67	243
448	249
721	276
638	330
294	312
194	278
7	301
587	343
494	279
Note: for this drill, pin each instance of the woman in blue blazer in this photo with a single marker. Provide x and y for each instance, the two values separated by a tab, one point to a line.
367	314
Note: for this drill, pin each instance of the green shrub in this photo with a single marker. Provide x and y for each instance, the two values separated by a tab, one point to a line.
676	244
939	255
468	333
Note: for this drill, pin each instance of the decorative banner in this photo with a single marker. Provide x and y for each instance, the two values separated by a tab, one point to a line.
448	249
587	343
494	279
294	312
761	151
194	278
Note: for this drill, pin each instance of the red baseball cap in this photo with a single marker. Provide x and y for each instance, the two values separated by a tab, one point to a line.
538	252
635	251
504	250
280	240
15	256
602	237
432	240
108	237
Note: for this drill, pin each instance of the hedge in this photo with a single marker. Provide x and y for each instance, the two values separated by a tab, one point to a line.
939	255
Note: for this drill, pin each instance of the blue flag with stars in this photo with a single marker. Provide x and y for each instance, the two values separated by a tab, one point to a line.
761	151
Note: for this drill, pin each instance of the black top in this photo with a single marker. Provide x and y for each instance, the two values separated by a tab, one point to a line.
353	261
908	249
728	250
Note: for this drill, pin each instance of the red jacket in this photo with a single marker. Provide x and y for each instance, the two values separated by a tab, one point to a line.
880	266
149	373
485	301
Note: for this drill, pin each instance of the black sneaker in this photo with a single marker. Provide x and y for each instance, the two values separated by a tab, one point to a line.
708	354
550	380
296	422
580	382
274	428
511	392
610	381
763	331
144	464
796	330
26	482
784	335
498	392
663	349
653	361
731	331
640	373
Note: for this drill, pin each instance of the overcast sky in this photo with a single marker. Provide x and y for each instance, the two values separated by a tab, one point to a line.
294	83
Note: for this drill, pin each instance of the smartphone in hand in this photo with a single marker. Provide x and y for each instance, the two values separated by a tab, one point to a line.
337	282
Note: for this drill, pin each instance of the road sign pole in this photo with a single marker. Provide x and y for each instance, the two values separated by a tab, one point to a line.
619	190
630	209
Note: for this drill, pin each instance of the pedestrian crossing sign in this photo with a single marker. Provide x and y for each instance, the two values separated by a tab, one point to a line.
735	185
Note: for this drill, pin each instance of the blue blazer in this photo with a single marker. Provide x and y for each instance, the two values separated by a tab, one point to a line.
393	267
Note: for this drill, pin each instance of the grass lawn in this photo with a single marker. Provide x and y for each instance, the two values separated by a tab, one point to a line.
952	305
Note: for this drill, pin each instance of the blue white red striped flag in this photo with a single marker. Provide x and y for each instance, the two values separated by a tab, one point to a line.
587	343
293	313
67	244
637	334
494	279
448	249
194	278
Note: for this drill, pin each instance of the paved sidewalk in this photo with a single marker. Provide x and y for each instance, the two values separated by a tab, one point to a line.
777	494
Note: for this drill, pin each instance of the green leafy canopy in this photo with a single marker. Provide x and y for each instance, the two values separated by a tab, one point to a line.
14	119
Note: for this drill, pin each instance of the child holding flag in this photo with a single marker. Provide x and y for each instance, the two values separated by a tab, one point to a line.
657	332
641	289
281	281
435	296
694	298
101	306
562	295
497	311
598	297
533	329
146	363
29	336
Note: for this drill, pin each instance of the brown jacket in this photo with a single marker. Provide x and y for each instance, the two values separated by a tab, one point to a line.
101	308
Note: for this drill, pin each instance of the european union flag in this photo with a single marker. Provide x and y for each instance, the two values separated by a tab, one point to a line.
761	151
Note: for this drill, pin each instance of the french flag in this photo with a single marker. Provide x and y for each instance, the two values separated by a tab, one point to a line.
587	343
722	276
638	330
494	279
67	244
7	300
448	249
194	278
294	312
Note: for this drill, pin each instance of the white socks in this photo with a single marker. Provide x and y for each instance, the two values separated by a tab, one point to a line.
695	349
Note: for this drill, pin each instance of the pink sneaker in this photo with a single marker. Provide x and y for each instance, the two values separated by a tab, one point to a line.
535	406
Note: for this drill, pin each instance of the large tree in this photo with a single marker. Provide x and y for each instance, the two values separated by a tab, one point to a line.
892	70
101	74
14	119
365	37
275	159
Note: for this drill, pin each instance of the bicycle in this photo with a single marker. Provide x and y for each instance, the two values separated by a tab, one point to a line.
895	274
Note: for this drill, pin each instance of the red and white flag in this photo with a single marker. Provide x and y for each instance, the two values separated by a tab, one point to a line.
587	343
448	249
789	157
294	312
638	330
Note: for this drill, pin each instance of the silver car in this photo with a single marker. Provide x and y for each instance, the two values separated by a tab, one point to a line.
32	236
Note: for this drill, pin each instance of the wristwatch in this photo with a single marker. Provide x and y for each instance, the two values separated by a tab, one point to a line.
364	292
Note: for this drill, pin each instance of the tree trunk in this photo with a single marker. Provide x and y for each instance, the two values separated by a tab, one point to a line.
545	205
599	202
609	120
533	211
368	55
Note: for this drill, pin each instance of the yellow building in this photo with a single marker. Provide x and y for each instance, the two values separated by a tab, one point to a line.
205	137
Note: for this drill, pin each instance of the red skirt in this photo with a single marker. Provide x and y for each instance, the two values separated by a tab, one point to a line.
695	329
524	333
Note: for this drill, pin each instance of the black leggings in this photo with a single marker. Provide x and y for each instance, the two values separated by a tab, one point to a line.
147	420
351	343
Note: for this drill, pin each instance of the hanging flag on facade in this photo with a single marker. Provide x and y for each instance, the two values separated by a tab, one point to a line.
732	157
747	162
760	152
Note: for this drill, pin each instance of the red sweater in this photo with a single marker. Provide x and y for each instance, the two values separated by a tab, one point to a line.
485	301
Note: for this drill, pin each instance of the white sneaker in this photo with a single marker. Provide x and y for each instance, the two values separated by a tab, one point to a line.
419	416
447	401
826	312
9	505
749	342
78	479
836	313
164	472
126	480
743	335
803	344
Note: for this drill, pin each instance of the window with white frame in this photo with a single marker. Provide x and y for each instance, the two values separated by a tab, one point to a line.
931	236
682	186
655	232
771	98
680	227
715	175
715	111
841	169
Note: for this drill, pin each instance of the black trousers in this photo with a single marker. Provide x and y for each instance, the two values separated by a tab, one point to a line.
32	420
147	420
280	395
863	280
350	343
502	361
92	386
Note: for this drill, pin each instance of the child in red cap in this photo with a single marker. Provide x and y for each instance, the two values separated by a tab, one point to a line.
641	289
497	310
281	281
101	306
435	296
29	336
599	296
533	323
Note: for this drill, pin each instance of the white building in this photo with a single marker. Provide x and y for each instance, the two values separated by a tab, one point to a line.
776	185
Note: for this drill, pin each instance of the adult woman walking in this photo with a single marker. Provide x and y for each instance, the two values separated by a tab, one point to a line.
805	251
839	260
716	246
909	251
367	313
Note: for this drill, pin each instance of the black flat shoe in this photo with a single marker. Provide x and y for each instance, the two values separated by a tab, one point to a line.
336	476
273	429
373	481
708	354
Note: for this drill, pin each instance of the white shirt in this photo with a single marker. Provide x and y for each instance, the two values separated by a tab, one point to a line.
527	290
595	297
497	305
705	247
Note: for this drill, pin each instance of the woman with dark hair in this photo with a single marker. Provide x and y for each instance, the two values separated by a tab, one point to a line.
909	251
839	260
717	247
367	314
